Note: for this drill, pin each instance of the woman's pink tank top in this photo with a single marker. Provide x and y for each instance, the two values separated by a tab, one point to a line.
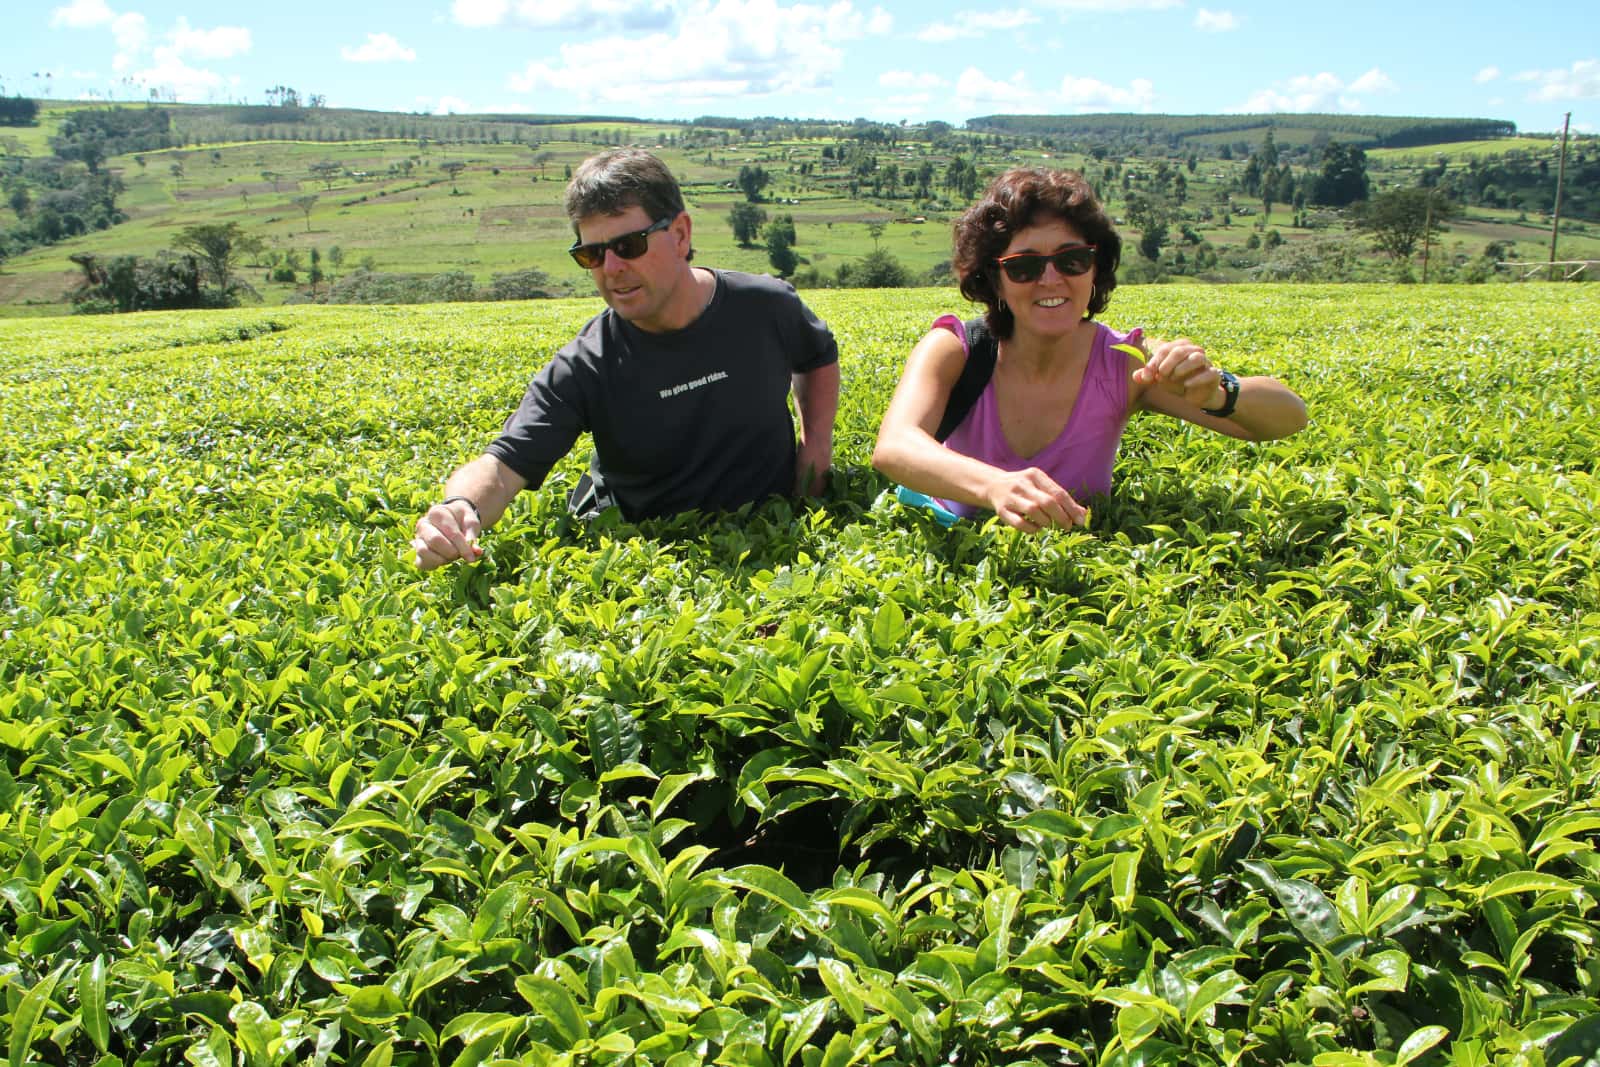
1081	457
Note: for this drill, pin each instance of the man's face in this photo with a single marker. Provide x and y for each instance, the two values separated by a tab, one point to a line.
641	290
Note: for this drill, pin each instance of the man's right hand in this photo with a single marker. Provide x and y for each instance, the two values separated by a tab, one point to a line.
447	532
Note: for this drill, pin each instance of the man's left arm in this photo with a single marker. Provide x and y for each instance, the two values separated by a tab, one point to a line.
816	398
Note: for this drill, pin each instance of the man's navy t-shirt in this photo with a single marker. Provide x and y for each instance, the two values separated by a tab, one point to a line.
694	418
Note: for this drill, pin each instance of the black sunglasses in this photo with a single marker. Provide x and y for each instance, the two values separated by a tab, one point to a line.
628	246
1029	266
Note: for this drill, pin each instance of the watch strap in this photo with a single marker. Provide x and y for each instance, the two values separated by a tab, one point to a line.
1230	397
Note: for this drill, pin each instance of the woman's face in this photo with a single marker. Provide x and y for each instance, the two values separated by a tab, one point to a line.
1053	302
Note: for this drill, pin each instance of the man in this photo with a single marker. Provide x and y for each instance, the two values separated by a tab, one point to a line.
683	382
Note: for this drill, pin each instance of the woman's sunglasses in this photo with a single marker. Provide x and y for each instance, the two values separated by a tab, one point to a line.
1029	266
628	246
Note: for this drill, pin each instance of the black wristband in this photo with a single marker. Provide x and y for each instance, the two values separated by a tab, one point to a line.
1230	397
468	502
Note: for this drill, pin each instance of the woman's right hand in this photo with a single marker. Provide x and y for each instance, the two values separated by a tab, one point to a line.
1030	500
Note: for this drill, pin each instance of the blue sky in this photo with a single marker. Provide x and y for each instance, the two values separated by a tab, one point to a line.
932	59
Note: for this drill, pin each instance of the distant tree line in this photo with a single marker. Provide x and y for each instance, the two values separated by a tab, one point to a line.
67	194
378	287
1369	130
1516	181
201	271
54	201
91	135
18	111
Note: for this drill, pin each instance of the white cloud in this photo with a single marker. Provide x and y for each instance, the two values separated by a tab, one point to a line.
131	33
82	15
168	67
171	73
1014	19
1112	6
634	15
638	16
908	80
1215	21
451	105
379	48
1317	92
224	42
720	48
965	25
975	90
1087	94
1581	81
1373	81
1486	75
479	13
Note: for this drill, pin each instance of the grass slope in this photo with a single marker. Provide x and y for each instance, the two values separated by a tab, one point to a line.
395	203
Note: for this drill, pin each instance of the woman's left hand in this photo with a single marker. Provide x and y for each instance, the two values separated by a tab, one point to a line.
1181	368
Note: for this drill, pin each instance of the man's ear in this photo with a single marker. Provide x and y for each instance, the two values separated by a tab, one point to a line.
683	230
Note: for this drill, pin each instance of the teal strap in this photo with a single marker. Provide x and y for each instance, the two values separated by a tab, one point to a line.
913	499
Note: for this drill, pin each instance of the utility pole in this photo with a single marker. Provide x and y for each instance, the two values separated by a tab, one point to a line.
1561	173
1427	233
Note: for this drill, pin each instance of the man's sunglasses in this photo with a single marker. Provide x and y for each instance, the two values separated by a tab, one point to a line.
628	246
1029	266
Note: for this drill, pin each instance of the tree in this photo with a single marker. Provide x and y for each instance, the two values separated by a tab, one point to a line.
530	283
1343	179
90	150
214	245
1274	182
325	171
780	247
453	168
1151	216
1269	152
305	204
129	283
877	270
753	180
1250	180
785	225
875	231
1398	220
746	220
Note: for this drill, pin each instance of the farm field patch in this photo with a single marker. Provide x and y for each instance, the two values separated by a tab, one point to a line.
1290	758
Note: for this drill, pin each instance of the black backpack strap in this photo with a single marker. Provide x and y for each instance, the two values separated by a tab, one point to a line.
982	350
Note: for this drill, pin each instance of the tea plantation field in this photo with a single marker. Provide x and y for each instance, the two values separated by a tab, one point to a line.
1291	758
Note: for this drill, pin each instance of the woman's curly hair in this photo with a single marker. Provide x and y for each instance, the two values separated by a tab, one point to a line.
1014	201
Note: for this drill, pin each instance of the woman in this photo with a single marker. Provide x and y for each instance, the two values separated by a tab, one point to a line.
1039	253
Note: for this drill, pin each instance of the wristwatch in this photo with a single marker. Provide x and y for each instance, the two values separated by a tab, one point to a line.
1230	397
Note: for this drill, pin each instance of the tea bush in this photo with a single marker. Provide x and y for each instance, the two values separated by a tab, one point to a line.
1291	758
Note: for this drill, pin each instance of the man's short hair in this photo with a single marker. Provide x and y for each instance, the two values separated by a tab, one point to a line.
612	182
